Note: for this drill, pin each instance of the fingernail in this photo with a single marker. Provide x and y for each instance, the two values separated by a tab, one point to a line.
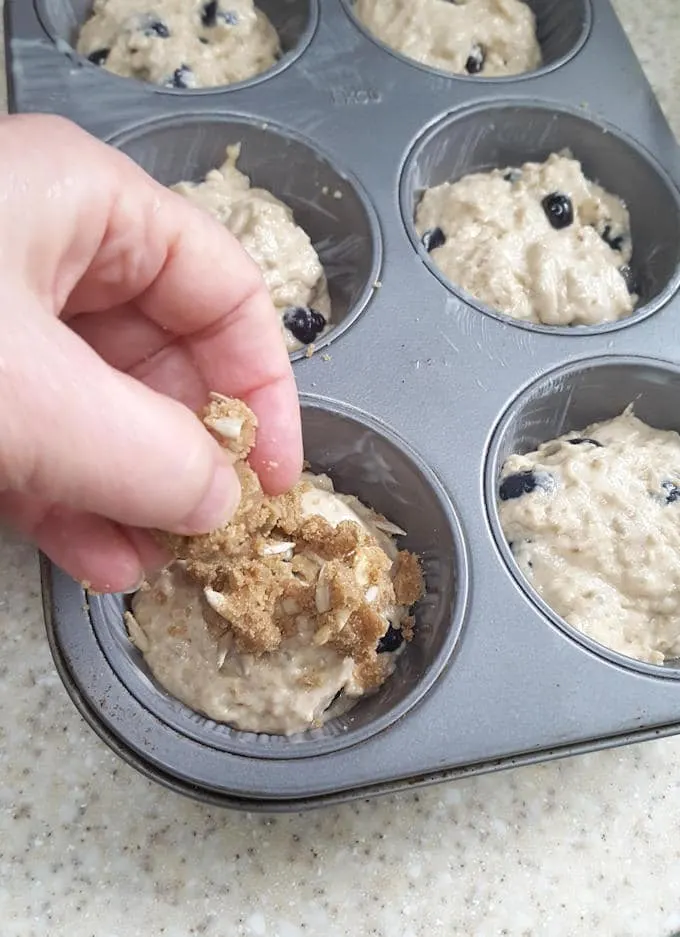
218	506
137	586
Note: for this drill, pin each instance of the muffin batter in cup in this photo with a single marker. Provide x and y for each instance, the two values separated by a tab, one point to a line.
283	251
289	614
540	243
593	521
467	37
180	43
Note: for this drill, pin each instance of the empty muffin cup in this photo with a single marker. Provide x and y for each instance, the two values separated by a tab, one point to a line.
488	137
570	398
562	27
295	22
327	203
366	459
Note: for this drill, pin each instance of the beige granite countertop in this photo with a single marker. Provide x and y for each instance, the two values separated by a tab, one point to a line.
89	848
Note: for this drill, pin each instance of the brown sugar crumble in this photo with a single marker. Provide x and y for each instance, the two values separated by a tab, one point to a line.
276	564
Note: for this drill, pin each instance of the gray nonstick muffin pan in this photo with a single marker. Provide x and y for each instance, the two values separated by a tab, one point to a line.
416	396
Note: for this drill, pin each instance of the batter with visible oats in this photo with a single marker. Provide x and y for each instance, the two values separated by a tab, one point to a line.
593	520
300	599
541	243
180	43
466	37
266	228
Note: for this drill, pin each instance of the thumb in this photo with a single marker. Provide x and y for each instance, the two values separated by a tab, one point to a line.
84	435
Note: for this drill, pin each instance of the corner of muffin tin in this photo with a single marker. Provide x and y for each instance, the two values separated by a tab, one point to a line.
415	375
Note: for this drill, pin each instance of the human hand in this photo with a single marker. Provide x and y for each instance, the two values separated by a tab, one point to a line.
122	305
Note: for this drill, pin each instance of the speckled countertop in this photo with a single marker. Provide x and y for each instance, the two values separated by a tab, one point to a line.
588	846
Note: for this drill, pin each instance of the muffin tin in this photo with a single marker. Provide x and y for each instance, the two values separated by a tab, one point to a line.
414	398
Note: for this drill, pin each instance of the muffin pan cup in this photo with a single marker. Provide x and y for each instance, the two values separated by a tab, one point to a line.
418	380
367	459
331	206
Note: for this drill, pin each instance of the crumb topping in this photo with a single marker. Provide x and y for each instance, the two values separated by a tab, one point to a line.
277	570
408	578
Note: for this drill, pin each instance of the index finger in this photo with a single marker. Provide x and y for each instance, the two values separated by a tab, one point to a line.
189	275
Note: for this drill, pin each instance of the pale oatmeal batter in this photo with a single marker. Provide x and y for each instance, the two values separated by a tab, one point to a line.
541	243
283	251
467	37
593	520
301	599
180	43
